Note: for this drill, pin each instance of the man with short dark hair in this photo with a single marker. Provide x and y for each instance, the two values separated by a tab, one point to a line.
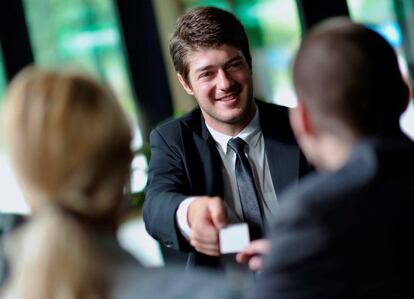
345	232
226	161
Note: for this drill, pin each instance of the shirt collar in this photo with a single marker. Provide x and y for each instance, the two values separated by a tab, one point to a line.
250	134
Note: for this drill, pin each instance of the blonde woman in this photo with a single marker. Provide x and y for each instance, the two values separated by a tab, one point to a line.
69	143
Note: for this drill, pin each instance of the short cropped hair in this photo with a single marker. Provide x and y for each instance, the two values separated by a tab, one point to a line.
206	27
349	73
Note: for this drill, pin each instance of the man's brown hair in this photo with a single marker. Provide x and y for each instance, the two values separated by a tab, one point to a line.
346	72
206	27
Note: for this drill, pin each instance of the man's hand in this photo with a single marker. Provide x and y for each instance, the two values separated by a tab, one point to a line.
252	254
206	215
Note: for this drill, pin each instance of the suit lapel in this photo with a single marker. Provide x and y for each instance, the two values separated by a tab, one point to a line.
210	158
282	152
283	162
212	180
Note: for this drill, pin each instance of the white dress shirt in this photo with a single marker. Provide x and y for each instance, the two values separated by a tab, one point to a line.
255	152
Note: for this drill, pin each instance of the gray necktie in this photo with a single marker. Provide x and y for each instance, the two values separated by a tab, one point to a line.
248	194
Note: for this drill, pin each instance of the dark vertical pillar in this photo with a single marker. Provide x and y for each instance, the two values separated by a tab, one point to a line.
405	16
314	11
145	62
14	37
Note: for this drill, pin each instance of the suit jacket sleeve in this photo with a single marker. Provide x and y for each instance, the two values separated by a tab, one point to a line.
302	262
165	191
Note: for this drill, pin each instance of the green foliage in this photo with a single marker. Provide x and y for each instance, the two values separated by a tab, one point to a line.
83	35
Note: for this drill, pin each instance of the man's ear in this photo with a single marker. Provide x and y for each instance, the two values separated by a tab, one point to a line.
300	122
305	133
185	85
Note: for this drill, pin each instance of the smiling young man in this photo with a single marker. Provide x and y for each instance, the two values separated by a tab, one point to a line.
197	183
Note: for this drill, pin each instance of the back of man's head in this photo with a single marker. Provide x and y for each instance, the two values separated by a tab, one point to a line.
348	77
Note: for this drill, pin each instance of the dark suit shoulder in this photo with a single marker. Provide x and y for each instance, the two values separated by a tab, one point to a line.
269	111
274	121
173	129
271	106
320	191
375	171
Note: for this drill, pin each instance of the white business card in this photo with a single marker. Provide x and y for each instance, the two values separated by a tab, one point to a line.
234	238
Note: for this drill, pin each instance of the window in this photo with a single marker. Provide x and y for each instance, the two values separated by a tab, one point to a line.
11	199
273	28
84	34
380	15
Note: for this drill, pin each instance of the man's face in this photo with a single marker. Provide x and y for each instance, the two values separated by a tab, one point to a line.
220	80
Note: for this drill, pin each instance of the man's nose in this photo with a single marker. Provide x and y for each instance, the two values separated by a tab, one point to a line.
224	80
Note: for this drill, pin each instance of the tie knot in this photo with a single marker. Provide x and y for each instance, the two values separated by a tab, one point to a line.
237	145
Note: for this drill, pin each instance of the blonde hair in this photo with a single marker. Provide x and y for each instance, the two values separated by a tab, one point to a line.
53	257
69	142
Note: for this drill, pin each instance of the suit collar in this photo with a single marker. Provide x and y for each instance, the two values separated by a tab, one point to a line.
250	134
281	149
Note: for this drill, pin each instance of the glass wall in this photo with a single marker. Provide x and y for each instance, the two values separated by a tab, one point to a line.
273	28
11	200
80	34
380	15
84	34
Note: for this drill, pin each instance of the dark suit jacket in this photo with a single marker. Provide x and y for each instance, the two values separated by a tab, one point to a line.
185	162
347	234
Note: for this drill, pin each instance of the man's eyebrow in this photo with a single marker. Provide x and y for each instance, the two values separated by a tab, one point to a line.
202	68
235	58
206	67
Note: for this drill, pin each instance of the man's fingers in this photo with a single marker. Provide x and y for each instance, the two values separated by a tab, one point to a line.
217	212
213	239
205	246
256	263
209	249
204	229
242	257
206	216
252	254
260	246
205	241
208	234
204	238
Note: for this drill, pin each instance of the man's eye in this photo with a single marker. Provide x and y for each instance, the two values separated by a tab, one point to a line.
204	75
235	65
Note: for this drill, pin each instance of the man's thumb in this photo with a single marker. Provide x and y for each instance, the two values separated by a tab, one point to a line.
218	212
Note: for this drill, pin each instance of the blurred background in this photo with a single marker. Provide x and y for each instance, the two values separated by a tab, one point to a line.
125	44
